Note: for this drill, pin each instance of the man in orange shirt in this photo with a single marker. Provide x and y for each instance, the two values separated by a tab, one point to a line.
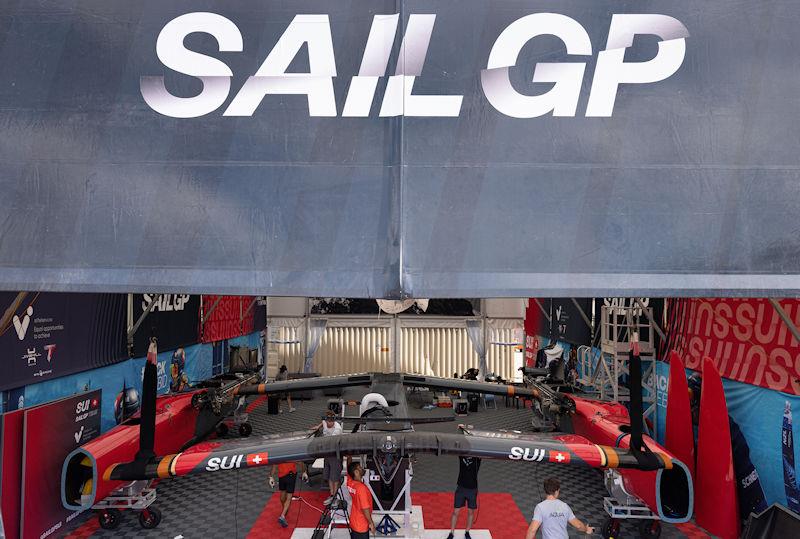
287	477
361	508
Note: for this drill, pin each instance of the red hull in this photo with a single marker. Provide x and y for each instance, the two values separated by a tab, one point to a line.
679	434
175	426
717	506
607	423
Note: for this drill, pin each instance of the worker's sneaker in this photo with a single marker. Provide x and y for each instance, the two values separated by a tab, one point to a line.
467	535
282	522
328	500
292	409
450	535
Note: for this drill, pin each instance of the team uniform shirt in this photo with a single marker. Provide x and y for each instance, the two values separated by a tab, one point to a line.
468	472
286	468
554	516
362	499
335	430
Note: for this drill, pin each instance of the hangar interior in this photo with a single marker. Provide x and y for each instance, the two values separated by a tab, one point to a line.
535	258
552	347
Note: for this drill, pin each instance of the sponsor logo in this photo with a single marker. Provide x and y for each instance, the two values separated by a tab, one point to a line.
43	373
51	352
86	408
558	456
528	454
83	406
313	32
750	479
224	463
78	435
257	459
52	529
620	306
161	375
166	302
21	325
30	356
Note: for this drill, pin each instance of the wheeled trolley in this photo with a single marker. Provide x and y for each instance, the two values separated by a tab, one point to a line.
135	496
649	523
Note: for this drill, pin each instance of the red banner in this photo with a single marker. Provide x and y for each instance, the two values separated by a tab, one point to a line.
52	431
533	321
11	471
746	338
231	317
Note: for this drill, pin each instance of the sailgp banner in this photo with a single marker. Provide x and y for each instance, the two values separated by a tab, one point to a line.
400	148
47	335
746	338
174	320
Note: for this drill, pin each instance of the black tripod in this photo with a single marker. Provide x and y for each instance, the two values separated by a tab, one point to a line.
326	522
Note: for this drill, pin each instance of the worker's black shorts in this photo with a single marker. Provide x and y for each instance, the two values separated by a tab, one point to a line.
468	496
359	535
286	483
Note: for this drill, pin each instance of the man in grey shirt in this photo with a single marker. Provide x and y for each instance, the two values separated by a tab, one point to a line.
553	515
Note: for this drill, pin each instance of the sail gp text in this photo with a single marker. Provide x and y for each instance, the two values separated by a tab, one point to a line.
272	77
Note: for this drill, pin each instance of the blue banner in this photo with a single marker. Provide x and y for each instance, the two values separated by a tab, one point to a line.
761	417
122	382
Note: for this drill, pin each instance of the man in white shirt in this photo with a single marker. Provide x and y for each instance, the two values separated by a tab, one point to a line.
553	515
332	471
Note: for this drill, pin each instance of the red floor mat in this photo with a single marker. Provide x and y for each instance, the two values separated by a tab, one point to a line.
436	510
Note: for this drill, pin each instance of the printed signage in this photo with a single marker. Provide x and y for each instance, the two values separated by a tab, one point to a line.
400	149
746	338
52	431
174	320
47	335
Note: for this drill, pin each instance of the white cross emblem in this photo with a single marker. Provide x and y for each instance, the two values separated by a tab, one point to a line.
560	457
257	459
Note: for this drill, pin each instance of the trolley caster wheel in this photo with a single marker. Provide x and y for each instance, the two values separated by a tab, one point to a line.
149	518
245	430
109	519
650	529
222	430
610	528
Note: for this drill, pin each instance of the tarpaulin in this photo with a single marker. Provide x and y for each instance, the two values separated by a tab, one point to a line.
47	335
443	149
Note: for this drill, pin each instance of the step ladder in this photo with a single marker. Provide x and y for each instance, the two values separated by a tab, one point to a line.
335	513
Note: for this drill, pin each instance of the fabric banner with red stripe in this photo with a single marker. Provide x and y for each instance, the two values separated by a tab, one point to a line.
226	317
746	338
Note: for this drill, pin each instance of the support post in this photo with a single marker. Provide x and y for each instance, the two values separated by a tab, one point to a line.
785	317
132	331
650	319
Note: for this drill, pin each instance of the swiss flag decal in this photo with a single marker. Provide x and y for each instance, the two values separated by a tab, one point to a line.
257	459
561	457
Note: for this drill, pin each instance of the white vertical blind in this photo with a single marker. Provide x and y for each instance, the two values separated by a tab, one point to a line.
429	349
